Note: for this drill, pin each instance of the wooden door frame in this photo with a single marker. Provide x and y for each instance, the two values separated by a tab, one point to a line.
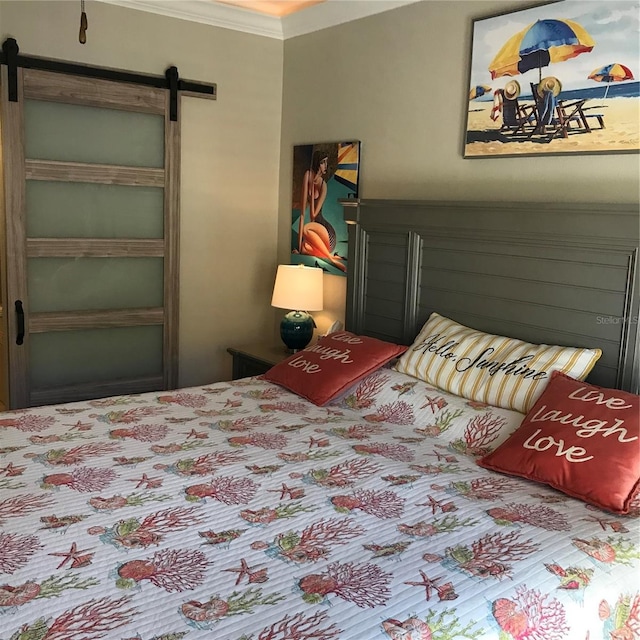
12	122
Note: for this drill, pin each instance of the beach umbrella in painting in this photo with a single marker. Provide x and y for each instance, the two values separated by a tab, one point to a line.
614	72
540	44
478	91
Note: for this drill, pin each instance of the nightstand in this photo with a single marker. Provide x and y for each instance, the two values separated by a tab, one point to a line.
256	359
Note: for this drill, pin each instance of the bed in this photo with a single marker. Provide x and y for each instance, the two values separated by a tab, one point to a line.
243	511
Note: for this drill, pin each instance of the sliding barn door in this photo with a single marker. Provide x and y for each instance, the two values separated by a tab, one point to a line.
90	256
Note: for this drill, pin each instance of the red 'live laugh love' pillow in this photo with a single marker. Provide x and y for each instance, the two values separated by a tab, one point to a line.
581	439
324	370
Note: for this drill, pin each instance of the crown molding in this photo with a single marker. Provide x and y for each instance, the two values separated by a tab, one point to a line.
313	18
211	13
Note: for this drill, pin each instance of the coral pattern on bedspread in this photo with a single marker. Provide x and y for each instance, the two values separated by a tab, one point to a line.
239	511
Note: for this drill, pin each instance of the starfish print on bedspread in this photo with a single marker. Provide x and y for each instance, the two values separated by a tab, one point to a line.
77	558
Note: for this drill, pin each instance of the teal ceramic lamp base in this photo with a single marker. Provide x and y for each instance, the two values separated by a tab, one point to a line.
296	330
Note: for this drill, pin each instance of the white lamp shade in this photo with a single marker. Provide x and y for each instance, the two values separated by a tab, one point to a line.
298	288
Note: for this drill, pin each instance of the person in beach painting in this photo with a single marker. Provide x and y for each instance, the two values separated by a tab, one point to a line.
317	237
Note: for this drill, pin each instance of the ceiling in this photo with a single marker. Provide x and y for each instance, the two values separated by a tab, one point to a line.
280	19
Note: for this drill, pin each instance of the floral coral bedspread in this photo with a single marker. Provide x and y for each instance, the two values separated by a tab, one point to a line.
238	511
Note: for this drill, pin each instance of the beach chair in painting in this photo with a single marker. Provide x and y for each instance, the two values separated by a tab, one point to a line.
516	117
556	117
595	116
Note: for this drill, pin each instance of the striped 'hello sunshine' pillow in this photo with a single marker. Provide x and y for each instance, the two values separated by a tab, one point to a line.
500	371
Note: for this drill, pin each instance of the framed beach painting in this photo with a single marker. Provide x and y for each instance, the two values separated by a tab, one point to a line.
322	175
560	78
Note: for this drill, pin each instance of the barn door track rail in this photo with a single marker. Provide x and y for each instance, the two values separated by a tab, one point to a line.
10	55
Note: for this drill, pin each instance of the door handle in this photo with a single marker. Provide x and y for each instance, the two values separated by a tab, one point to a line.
20	317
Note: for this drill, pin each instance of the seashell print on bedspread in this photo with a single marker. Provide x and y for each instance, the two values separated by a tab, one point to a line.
238	511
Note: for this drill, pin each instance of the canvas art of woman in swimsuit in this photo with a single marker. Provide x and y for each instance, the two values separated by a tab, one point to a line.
317	237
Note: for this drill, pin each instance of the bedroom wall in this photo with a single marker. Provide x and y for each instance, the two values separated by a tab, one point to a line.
397	82
230	158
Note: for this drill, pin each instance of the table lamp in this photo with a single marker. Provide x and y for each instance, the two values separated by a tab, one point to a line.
299	288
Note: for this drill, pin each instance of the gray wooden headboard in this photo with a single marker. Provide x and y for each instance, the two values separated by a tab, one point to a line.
546	273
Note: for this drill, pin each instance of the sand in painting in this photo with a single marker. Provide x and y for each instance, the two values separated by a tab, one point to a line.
621	132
